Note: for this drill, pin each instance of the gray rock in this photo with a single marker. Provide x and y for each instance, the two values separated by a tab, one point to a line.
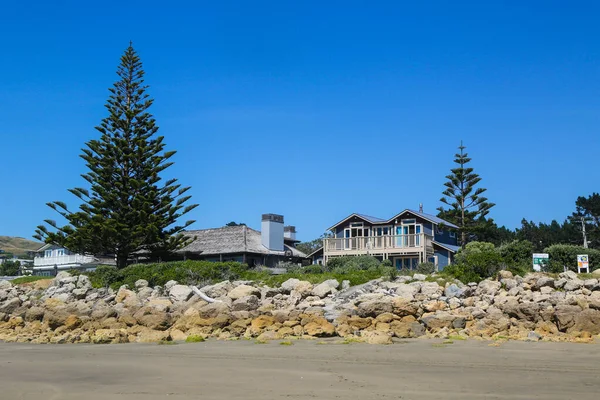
83	282
590	284
145	293
509	283
169	285
345	284
246	303
431	289
568	275
141	284
596	272
534	336
217	290
573	284
459	323
325	288
180	293
488	287
407	291
80	293
453	291
419	277
560	283
242	291
544	281
5	285
10	305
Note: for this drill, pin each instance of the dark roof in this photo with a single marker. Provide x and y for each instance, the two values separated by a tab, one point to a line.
320	249
450	247
232	239
376	220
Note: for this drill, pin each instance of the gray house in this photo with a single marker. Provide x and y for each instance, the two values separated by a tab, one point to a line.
273	244
407	239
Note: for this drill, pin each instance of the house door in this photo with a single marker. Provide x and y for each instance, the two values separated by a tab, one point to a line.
412	235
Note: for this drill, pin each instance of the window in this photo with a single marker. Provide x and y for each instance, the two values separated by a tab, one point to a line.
60	252
452	234
48	253
409	221
438	230
356	224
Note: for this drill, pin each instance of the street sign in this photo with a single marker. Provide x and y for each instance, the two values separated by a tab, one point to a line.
540	259
583	262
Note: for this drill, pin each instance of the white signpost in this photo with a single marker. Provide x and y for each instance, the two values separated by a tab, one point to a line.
539	259
583	262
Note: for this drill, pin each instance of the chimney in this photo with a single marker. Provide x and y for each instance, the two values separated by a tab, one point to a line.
421	208
289	232
271	233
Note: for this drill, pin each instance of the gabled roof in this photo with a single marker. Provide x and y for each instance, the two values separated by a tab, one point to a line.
320	249
428	217
232	239
375	220
367	218
449	247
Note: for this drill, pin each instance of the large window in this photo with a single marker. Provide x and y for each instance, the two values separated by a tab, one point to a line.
60	252
48	253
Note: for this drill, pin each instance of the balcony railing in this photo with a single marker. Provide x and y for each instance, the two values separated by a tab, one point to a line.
62	260
416	242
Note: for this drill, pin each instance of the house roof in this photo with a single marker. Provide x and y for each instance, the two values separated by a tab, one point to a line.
428	217
375	220
320	249
449	247
232	239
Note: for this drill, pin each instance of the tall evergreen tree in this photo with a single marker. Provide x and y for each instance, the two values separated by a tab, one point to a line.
468	207
128	208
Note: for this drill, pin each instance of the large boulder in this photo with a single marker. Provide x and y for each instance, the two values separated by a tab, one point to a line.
180	293
373	308
596	272
565	316
325	288
152	318
587	320
573	284
295	284
544	281
407	291
453	291
376	337
246	303
9	306
217	290
242	291
488	287
431	289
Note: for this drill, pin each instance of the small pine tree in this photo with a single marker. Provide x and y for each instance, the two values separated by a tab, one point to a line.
128	208
468	207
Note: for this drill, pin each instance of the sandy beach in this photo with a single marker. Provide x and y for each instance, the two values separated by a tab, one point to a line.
413	369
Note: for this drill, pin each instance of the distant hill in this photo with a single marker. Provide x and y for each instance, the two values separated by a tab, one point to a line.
18	246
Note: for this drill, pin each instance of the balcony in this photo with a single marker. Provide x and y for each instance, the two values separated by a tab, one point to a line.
70	260
398	244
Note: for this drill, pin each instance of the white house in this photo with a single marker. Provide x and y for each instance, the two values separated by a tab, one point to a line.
50	259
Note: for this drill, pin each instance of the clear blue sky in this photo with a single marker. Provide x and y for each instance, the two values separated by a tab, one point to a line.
309	110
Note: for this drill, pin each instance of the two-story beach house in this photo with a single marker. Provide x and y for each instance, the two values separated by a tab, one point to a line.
51	259
407	239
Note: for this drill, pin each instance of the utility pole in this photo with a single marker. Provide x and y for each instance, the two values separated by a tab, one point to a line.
585	243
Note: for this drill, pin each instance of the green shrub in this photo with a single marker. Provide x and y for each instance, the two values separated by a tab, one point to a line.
476	266
566	255
426	268
352	263
472	248
194	339
312	269
517	252
185	272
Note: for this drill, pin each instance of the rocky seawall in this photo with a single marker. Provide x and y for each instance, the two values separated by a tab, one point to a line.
534	307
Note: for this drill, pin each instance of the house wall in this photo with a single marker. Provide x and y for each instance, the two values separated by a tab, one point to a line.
444	237
443	258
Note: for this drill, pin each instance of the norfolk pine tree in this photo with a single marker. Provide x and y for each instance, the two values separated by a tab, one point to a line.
468	207
128	207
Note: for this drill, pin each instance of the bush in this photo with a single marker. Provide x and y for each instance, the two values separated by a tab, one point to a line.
352	263
184	272
473	247
426	268
476	266
517	252
566	255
